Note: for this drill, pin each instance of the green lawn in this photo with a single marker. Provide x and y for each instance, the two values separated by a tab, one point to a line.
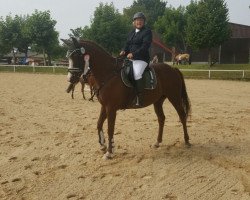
215	73
216	66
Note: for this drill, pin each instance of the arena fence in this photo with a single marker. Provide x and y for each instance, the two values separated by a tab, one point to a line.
216	74
188	73
34	69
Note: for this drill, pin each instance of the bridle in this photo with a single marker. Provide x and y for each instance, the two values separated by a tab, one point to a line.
70	52
75	70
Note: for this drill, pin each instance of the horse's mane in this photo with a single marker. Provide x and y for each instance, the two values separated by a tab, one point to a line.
92	43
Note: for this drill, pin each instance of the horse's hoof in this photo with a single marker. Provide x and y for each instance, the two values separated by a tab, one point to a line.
108	156
188	145
156	145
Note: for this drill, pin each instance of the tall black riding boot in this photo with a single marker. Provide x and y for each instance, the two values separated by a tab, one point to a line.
139	86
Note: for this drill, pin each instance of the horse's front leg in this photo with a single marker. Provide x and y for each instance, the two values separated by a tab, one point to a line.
111	114
91	93
161	120
72	92
82	89
102	118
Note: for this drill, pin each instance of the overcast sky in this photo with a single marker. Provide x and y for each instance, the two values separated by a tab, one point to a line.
71	14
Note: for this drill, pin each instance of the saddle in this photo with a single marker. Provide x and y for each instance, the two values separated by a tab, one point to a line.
148	76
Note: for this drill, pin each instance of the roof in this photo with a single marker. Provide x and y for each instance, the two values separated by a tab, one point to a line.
239	30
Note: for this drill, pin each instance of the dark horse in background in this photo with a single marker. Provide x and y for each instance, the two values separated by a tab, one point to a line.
78	77
114	95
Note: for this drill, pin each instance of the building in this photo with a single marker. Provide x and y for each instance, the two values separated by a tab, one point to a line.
236	50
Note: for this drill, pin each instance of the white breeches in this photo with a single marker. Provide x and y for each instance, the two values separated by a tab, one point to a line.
138	68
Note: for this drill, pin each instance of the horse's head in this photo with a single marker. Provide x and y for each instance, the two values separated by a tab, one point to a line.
87	54
75	55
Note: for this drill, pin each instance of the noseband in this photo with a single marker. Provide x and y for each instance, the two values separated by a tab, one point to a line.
75	70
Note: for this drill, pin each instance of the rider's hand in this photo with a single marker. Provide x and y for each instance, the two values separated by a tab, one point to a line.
122	53
130	56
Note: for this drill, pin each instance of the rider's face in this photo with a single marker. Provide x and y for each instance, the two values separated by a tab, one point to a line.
139	23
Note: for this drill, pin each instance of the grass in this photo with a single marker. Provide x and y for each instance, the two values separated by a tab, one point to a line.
216	66
231	75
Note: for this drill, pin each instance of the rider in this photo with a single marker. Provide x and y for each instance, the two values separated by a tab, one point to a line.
137	49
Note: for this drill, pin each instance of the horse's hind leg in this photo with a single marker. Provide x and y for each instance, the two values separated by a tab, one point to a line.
161	120
182	115
102	118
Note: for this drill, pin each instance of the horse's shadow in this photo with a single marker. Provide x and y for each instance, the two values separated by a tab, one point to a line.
221	153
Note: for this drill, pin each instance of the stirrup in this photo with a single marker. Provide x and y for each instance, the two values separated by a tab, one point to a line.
138	104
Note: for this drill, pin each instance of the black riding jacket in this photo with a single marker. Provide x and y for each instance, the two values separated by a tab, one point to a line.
139	43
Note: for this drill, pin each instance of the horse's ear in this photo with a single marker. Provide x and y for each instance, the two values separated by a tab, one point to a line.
67	42
75	42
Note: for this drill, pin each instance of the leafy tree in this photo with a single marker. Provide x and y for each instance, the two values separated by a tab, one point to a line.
78	33
13	34
172	27
5	43
82	33
207	24
108	28
151	8
41	29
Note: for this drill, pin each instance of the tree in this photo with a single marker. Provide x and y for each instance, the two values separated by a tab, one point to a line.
41	29
13	34
207	24
151	8
108	28
82	33
172	27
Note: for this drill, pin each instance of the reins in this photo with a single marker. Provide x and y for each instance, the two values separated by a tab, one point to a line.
112	75
116	72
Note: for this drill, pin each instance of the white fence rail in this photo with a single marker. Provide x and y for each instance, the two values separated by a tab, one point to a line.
34	68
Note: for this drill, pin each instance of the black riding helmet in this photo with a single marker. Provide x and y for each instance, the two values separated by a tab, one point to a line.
139	15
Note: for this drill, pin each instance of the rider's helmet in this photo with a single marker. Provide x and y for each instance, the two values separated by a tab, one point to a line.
139	15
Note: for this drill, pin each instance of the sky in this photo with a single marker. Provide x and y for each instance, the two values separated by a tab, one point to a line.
78	13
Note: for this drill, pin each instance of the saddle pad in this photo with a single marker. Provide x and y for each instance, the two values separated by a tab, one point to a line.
148	76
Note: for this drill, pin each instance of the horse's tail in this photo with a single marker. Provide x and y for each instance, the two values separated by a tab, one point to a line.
184	96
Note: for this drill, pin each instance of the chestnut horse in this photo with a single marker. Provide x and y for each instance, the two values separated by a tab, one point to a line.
182	59
113	95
